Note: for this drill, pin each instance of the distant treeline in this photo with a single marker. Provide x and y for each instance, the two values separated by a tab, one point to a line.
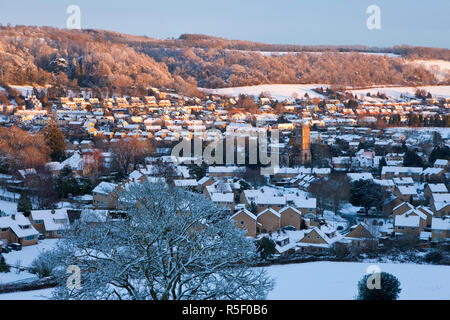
117	62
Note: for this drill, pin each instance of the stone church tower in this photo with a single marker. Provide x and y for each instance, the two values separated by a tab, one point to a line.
306	145
302	139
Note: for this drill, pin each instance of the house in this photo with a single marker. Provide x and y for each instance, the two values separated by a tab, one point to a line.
432	174
51	223
224	200
390	172
440	229
441	163
246	220
363	235
410	223
440	204
428	213
104	195
314	239
402	208
431	188
290	216
269	221
18	229
389	204
405	193
264	198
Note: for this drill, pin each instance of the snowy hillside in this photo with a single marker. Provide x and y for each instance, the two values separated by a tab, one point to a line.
277	91
395	92
440	68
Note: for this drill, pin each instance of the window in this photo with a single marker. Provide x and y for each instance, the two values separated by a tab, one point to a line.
4	229
38	221
242	221
30	238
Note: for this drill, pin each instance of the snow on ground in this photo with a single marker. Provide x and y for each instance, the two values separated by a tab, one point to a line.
444	132
43	294
13	276
335	220
338	280
8	207
24	258
349	209
26	90
277	91
330	280
395	92
29	253
440	68
286	91
281	53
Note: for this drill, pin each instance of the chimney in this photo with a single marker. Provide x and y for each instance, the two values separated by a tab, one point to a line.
13	216
53	210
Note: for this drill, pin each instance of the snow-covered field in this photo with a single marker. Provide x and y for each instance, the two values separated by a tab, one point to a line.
338	280
395	92
277	91
29	253
287	91
331	280
440	68
8	207
444	132
281	53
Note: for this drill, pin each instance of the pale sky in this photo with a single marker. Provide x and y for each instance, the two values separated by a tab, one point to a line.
304	22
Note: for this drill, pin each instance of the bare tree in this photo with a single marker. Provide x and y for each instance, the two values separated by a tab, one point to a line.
172	245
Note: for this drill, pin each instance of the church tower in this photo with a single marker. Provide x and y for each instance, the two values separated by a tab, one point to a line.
306	145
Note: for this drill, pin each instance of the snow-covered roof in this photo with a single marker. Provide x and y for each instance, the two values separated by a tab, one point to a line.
245	211
407	221
407	190
104	188
222	197
265	211
437	188
360	176
186	183
441	162
20	225
440	224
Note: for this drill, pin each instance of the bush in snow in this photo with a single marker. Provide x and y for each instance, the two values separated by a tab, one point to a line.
3	266
378	286
265	247
433	257
43	265
172	244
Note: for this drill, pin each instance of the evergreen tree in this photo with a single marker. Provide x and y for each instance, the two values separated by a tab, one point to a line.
389	288
66	183
3	266
411	159
366	193
55	140
265	247
382	164
440	152
24	204
253	208
303	225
